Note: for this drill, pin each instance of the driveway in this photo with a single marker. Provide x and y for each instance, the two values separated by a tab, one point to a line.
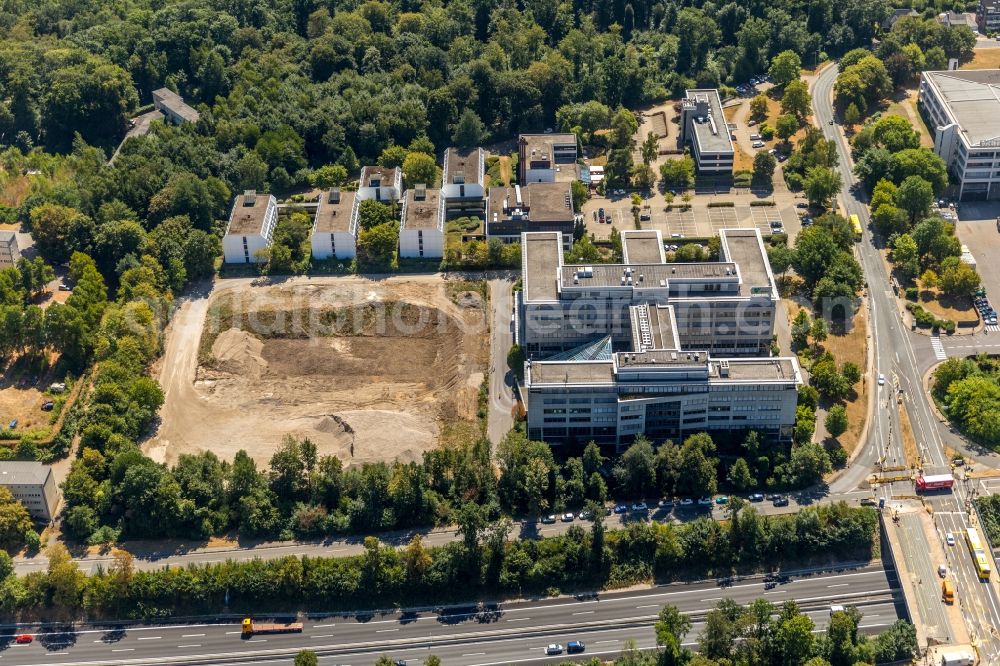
142	124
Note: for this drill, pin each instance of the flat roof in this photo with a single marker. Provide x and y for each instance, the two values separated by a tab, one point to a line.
8	237
757	369
541	256
642	247
662	333
23	472
745	248
972	98
388	175
465	164
712	134
544	202
424	213
176	103
333	216
646	276
572	372
247	218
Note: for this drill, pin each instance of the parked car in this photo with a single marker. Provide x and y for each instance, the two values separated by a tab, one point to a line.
554	648
13	424
868	501
586	515
567	517
47	406
621	508
705	501
23	638
644	217
640	507
64	287
665	504
780	501
757	144
756	497
802	204
575	646
600	214
549	519
722	499
686	501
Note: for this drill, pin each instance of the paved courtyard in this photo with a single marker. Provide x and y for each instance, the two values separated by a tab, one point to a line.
698	221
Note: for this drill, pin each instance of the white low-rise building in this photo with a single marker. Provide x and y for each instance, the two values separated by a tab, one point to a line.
335	226
384	184
251	228
421	231
9	252
463	190
703	125
546	158
33	485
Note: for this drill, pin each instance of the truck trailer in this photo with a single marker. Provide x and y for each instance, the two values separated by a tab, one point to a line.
250	627
935	482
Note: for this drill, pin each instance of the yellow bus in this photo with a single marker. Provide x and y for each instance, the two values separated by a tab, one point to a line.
979	558
856	227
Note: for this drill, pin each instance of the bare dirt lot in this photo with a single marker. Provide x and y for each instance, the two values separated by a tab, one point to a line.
368	370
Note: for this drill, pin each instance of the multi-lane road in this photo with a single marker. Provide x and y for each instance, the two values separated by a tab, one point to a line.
903	357
473	636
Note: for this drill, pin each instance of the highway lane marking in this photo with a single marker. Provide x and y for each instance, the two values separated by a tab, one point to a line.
324	636
720	598
474	654
149	638
180	647
837	585
382	631
191	635
229	633
124	650
584	613
323	626
649	606
613	640
257	640
518	619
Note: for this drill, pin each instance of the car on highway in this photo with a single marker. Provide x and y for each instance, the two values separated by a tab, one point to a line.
942	570
881	379
780	501
950	539
399	662
22	639
549	519
575	646
686	501
756	497
640	507
831	121
705	501
554	648
567	517
722	499
621	508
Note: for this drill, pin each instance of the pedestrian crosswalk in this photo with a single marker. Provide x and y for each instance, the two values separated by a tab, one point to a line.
939	351
993	328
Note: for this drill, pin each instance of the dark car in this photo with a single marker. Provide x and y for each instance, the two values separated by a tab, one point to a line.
756	497
802	204
47	406
600	214
621	508
575	646
781	501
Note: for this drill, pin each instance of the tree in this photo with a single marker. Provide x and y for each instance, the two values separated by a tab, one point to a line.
65	580
671	628
739	475
818	330
915	196
785	68
801	327
328	175
958	278
785	128
372	213
836	421
377	246
906	257
420	168
635	472
815	251
650	148
758	108
469	130
15	523
974	403
821	184
851	372
306	658
794	639
852	116
677	172
796	99
58	230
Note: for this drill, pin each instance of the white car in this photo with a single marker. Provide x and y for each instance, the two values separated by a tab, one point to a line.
950	539
881	379
705	501
687	501
757	144
554	648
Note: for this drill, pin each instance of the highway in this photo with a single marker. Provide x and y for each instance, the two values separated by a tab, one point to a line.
903	357
511	632
162	556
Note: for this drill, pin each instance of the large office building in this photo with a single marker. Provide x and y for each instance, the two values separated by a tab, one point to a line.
33	485
963	109
988	16
546	158
251	228
463	190
652	347
511	211
704	127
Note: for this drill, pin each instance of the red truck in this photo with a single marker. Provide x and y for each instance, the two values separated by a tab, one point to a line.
250	628
935	482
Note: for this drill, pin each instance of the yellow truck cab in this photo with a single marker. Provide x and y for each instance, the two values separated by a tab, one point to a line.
247	625
947	591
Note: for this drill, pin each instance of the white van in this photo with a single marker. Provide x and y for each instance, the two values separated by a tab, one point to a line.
755	137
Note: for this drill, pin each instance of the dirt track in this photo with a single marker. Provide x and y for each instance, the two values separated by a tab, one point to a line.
273	362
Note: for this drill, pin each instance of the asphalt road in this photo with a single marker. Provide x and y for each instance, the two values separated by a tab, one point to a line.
515	632
903	356
146	559
501	397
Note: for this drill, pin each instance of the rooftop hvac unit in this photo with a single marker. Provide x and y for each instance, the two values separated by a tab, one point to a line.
335	195
723	368
419	192
517	195
249	197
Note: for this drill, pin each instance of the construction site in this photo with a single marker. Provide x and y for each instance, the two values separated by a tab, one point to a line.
368	370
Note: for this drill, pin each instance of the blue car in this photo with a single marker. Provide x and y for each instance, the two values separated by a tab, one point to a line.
575	646
621	508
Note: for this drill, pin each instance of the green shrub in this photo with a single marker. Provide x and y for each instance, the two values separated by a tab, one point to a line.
912	293
758	202
721	204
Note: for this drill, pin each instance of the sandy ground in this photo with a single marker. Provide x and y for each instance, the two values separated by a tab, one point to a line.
405	359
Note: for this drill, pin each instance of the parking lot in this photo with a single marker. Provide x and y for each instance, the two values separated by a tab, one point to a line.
698	221
977	228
